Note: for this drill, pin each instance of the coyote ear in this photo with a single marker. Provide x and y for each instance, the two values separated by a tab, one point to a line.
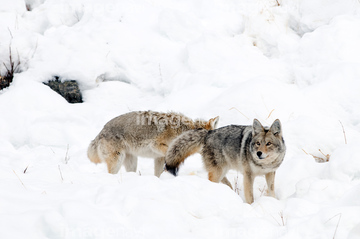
257	127
213	122
276	128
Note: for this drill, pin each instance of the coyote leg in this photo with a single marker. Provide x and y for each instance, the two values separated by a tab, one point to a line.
270	180
248	187
159	166
226	182
114	162
130	163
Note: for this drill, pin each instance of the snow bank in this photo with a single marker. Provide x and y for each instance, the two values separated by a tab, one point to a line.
344	164
296	61
306	15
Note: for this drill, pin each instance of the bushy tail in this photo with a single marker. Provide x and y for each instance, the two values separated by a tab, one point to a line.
93	153
182	147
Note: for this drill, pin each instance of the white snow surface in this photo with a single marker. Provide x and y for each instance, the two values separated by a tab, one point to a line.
296	60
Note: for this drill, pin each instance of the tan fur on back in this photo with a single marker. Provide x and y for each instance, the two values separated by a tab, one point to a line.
140	133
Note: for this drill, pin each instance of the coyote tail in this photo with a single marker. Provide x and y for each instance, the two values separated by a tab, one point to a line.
93	152
182	147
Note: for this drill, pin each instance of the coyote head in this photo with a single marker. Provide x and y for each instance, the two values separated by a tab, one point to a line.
267	143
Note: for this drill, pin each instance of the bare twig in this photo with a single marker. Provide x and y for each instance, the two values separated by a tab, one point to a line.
25	170
19	179
236	185
319	159
337	225
262	190
305	151
35	48
76	15
270	114
327	156
276	220
161	78
282	218
11	69
67	158
52	150
234	108
343	132
62	179
10	33
28	7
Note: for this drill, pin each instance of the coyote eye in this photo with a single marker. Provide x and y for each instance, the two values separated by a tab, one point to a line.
268	143
258	143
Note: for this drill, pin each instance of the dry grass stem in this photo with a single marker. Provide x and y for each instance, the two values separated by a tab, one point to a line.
282	218
270	114
337	225
67	158
25	170
236	185
262	190
62	179
19	179
318	159
343	132
234	108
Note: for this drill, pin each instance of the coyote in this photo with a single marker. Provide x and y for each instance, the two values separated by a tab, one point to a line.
253	150
141	133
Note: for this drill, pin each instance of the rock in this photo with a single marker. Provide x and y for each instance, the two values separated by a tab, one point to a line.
69	89
5	82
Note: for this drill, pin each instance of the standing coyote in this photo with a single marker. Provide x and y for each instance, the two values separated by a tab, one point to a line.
252	150
140	133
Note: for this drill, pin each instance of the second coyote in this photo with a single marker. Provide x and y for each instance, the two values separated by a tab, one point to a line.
253	150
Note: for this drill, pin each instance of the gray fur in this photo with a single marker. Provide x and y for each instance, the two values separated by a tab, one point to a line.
234	147
183	146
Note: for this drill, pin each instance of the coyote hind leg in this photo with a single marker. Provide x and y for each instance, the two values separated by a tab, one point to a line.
130	163
114	162
217	174
226	182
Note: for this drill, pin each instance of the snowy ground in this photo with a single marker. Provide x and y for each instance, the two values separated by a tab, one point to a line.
239	59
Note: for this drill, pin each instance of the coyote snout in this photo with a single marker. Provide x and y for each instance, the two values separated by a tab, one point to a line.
261	155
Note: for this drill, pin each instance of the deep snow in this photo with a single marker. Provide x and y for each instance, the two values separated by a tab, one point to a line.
239	59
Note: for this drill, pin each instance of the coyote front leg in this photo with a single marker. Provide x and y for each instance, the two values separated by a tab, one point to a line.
248	187
270	180
159	166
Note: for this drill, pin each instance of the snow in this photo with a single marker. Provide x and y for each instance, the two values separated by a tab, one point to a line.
241	60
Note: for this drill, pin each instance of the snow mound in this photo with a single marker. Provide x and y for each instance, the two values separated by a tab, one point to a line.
297	61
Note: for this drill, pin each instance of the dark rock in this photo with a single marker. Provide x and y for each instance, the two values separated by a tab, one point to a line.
5	81
69	89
